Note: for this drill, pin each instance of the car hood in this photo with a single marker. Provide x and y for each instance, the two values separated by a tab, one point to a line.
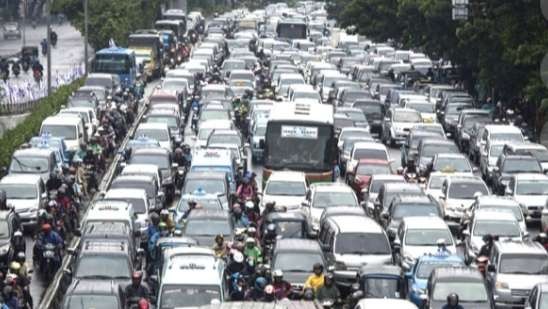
295	278
402	125
204	240
23	205
428	117
531	200
291	202
521	282
467	305
356	261
462	203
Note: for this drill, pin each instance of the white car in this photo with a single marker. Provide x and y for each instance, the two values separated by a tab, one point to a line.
326	195
287	189
423	235
397	124
458	194
157	131
137	198
531	192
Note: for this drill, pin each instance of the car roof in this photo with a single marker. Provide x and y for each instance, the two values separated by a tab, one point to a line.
21	179
152	125
291	244
205	175
493	215
155	150
202	213
465	179
495	200
42	152
63	119
452	272
402	187
502	128
520	247
125	193
92	286
386	303
370	145
416	199
356	224
420	222
529	176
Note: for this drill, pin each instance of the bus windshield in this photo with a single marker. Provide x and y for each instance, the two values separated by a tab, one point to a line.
299	147
112	63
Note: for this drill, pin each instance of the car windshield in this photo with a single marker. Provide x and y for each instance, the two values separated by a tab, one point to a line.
521	166
233	65
382	288
463	190
161	160
19	191
68	132
471	291
425	268
515	210
369	108
376	184
129	184
452	164
179	296
213	94
414	210
421	107
306	95
356	116
205	203
210	186
427	237
539	154
296	261
289	188
513	137
213	114
532	187
205	227
103	267
527	264
373	169
368	153
174	85
330	199
407	116
171	121
505	228
25	164
157	134
138	204
290	229
79	301
362	243
436	182
225	139
430	150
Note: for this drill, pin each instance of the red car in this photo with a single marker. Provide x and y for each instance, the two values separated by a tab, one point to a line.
360	177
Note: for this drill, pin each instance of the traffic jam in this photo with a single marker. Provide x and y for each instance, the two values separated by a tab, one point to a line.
268	156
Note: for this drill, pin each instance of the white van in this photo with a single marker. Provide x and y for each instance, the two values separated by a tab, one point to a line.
69	127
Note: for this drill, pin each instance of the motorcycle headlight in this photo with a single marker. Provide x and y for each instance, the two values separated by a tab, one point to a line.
49	254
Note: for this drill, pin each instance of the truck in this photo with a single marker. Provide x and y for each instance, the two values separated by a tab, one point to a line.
147	46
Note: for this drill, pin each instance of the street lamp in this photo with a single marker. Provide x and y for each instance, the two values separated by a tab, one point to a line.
49	47
86	68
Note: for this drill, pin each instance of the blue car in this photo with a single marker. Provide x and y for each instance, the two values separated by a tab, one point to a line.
53	142
417	277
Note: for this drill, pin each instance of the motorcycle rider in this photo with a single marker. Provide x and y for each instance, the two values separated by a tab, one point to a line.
166	218
220	248
53	38
37	69
16	68
54	182
252	252
452	302
329	290
5	67
256	293
238	217
316	279
245	190
485	250
3	200
136	290
191	205
44	45
49	236
282	288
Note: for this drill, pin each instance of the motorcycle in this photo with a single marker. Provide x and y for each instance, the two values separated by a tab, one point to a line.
48	263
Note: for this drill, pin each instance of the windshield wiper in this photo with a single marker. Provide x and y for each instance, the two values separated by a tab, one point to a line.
296	270
21	164
355	252
95	277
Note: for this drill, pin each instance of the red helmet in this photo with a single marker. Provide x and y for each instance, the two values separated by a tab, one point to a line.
46	228
143	304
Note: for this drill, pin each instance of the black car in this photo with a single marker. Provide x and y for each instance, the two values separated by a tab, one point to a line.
162	158
404	206
410	148
465	124
428	148
373	110
450	115
288	224
507	165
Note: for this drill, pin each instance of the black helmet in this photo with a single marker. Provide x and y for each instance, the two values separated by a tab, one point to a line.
317	266
308	294
452	299
154	218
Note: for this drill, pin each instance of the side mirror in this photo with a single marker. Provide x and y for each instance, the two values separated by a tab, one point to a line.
466	233
491	268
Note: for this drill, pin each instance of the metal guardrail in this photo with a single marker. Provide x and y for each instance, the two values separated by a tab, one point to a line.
53	296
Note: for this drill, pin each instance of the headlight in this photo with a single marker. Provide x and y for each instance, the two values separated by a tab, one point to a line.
4	250
465	135
501	285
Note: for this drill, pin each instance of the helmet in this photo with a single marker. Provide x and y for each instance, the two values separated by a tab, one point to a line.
18	234
251	230
453	299
238	257
487	238
271	228
21	257
219	237
250	240
164	212
270	204
249	205
308	294
52	204
154	218
278	273
269	289
15	266
179	151
46	228
162	226
317	266
260	283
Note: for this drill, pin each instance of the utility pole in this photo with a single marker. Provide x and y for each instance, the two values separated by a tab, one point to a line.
49	46
24	22
86	56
